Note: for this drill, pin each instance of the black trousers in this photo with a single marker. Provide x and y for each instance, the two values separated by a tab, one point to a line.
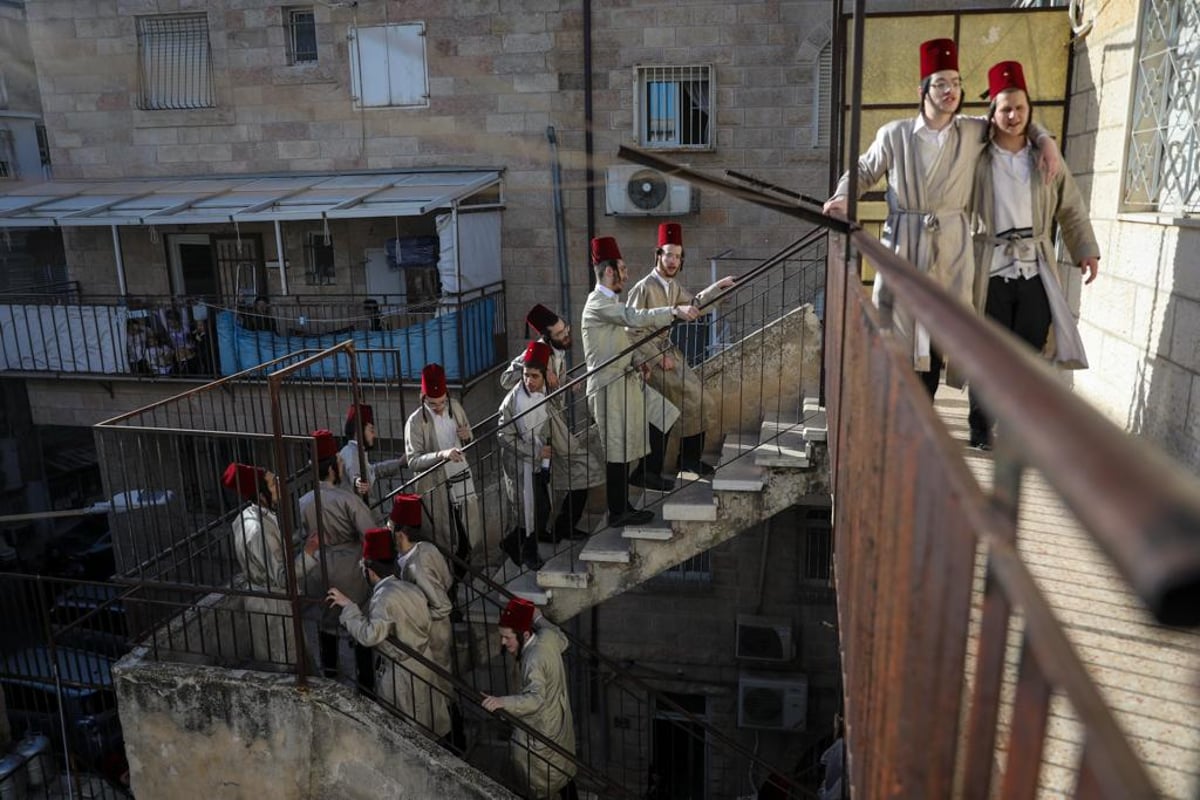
1019	304
933	377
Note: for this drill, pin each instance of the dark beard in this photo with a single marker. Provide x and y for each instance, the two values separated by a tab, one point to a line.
556	346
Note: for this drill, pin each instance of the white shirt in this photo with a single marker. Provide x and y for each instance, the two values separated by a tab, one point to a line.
666	282
604	290
929	145
1013	200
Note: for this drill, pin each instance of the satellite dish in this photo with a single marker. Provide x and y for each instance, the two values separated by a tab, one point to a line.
647	189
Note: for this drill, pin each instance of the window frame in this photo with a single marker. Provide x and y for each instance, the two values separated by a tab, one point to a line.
201	95
646	74
1161	173
355	35
290	28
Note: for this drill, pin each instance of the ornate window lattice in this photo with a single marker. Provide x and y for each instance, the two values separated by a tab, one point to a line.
1163	165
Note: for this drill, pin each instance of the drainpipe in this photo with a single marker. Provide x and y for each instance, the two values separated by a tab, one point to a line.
587	123
560	229
116	237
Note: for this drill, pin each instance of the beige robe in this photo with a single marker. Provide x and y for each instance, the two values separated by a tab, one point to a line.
928	204
578	461
697	408
426	568
420	444
543	705
619	400
258	546
398	609
1059	200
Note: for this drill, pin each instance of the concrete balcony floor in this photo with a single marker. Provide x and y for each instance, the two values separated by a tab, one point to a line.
1148	674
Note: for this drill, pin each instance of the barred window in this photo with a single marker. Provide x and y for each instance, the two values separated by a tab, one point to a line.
1162	170
674	107
301	35
176	62
387	65
697	569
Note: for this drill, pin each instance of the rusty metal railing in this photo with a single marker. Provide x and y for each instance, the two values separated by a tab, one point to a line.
910	520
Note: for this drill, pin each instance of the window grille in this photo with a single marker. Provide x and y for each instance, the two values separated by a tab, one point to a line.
301	35
5	170
176	62
674	107
43	144
387	65
697	569
823	96
1162	171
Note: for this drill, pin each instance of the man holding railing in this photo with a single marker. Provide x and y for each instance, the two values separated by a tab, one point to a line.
258	547
541	701
433	437
619	400
361	435
930	163
397	609
578	462
669	372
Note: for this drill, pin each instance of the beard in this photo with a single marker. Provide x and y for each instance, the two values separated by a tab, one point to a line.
554	345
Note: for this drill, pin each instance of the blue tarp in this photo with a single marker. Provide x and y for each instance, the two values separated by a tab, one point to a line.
437	340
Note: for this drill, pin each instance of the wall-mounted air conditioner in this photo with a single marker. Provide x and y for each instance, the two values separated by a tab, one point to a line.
773	704
635	191
763	638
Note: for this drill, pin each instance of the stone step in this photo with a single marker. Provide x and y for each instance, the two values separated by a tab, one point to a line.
782	443
656	530
738	472
526	585
607	546
694	503
563	571
816	425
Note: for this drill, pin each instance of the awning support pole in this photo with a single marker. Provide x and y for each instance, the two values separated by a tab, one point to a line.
279	254
116	237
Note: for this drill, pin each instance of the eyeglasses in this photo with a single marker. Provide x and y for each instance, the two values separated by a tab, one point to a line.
945	86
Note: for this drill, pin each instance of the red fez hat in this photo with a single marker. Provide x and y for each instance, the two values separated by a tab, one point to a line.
378	545
363	410
670	233
1004	76
540	318
433	381
406	511
537	354
243	480
326	444
518	615
604	248
937	55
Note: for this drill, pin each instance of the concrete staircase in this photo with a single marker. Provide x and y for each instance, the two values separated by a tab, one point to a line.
758	476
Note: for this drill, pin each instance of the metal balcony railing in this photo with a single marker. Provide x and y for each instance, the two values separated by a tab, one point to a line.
62	331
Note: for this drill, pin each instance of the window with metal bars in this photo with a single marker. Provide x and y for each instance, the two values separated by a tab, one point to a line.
697	569
175	61
301	35
1162	168
5	170
674	107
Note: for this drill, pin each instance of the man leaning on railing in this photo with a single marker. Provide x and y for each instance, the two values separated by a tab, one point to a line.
541	702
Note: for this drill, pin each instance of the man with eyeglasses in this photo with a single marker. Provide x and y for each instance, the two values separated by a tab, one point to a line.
578	463
930	164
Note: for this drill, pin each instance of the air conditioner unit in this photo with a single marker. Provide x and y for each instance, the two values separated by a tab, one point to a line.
635	191
763	638
773	704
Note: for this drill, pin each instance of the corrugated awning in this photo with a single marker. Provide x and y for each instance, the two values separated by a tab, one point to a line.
260	198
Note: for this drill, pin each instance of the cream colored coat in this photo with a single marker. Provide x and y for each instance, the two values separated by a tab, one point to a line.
543	705
420	444
1059	200
398	609
578	461
426	568
680	385
258	546
619	400
927	221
